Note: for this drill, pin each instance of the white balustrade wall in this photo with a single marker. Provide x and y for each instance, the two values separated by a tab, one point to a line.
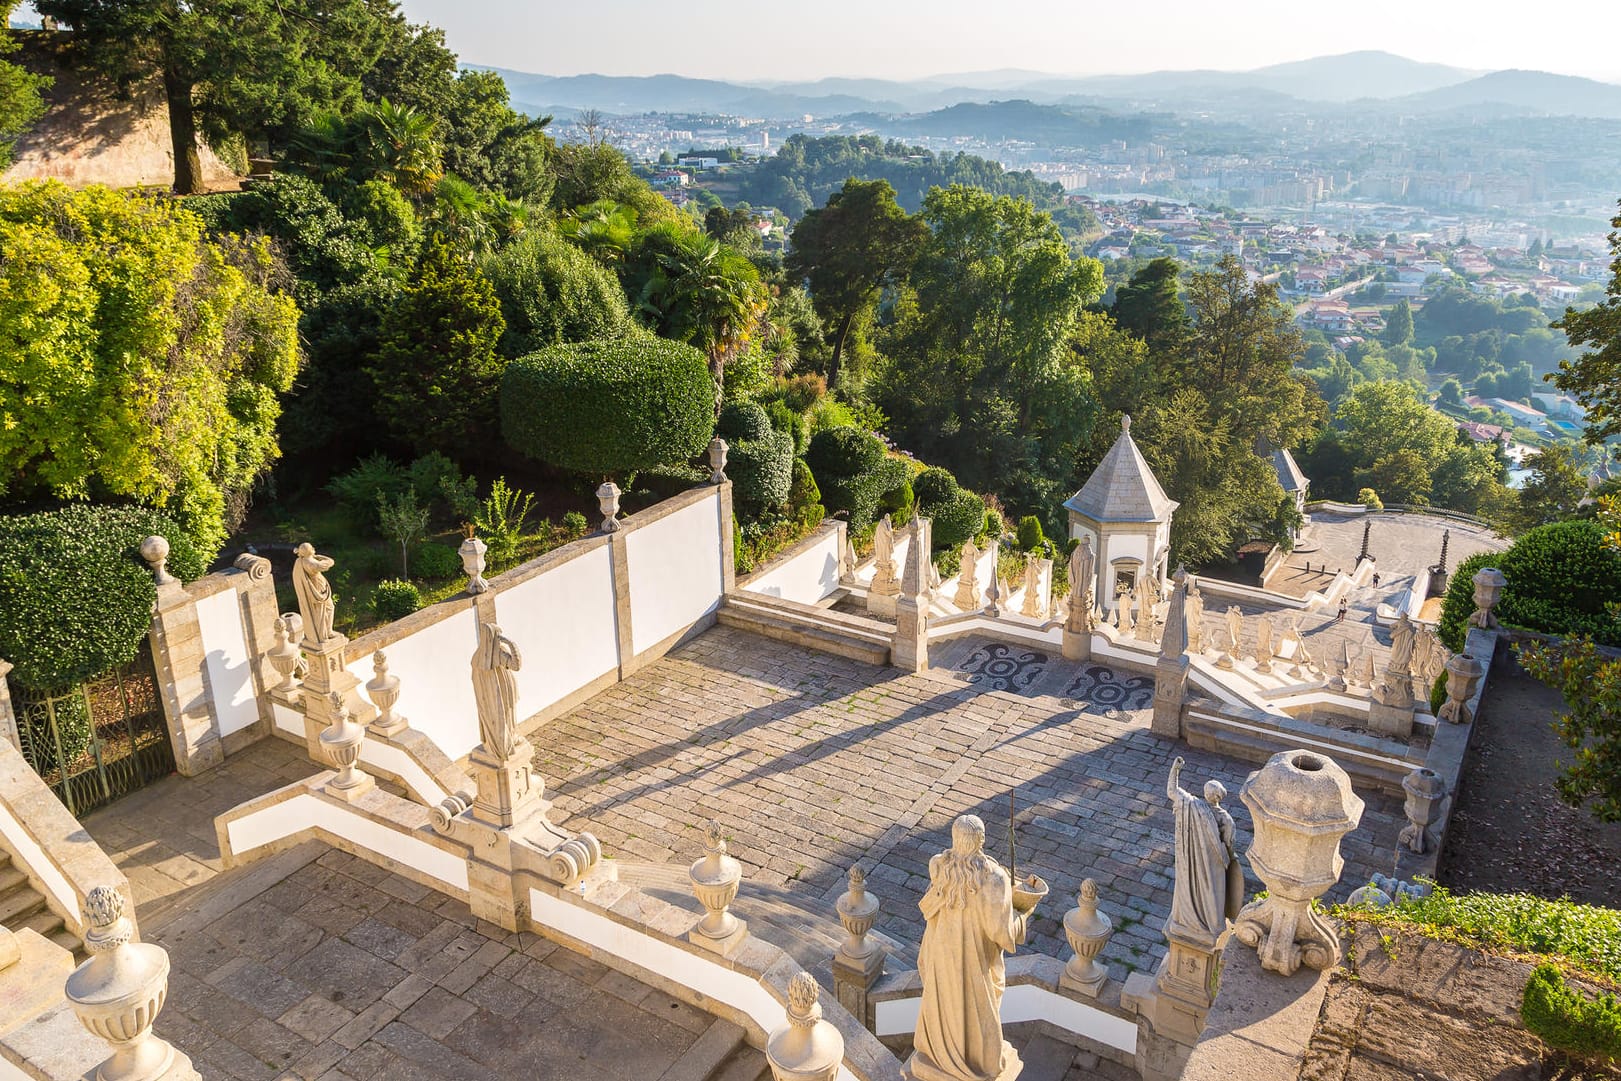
227	660
808	572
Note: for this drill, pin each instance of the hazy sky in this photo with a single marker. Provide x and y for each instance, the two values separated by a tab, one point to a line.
769	39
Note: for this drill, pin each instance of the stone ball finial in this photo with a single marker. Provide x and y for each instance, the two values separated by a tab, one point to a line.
155	550
1125	423
803	1008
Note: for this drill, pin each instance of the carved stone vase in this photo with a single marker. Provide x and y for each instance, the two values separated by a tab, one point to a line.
340	744
715	878
1088	931
807	1048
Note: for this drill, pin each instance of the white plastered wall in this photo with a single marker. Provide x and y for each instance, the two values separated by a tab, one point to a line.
225	658
675	572
808	577
563	623
436	687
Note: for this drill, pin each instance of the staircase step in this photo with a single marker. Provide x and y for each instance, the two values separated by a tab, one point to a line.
773	625
700	1061
745	1064
18	903
10	878
45	922
1046	1059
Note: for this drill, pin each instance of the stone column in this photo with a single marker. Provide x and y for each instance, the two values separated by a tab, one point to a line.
8	712
118	993
1301	805
858	964
728	557
911	650
1171	670
807	1048
177	656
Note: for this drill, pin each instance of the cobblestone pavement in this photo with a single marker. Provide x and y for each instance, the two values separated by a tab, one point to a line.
813	762
345	972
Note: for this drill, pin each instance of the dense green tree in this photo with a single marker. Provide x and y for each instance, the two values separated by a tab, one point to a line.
438	366
1398	324
1150	306
1590	685
981	379
551	292
243	67
138	360
1552	492
1595	376
20	89
850	249
492	146
382	141
587	173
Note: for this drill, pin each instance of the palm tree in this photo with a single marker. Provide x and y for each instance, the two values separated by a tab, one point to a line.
704	293
400	145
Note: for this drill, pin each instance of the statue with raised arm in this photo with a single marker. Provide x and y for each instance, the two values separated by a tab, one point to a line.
1209	885
1401	645
969	923
1235	628
315	602
495	690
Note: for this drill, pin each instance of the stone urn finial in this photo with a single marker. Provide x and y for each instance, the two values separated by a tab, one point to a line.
1088	931
1301	805
717	460
118	993
857	910
608	503
283	655
1426	792
1463	672
807	1048
1489	585
340	743
472	551
155	550
384	691
715	879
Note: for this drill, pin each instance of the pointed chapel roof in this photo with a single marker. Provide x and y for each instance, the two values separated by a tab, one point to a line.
1122	488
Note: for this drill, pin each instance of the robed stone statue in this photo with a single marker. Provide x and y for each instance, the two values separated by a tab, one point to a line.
1209	887
314	593
495	690
969	923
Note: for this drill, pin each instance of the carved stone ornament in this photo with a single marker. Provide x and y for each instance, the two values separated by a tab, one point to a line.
807	1048
155	550
1087	931
715	879
608	504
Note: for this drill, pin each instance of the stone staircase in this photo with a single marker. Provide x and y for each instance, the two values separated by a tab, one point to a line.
840	633
720	1054
22	906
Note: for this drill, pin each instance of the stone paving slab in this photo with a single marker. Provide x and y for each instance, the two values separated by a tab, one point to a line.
813	762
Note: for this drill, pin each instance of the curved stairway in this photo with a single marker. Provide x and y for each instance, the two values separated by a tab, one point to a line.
22	906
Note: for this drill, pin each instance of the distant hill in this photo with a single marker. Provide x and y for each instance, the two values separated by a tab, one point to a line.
1527	91
1025	121
1350	76
674	93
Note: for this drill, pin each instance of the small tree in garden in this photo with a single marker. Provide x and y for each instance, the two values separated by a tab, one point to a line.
500	520
609	408
403	522
1591	686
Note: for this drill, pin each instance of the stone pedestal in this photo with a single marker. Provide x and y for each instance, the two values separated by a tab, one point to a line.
910	652
509	792
1012	1066
1388	720
1077	645
857	964
177	652
328	676
1170	691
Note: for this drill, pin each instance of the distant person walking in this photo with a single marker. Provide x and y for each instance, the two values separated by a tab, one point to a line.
1375	577
1344	606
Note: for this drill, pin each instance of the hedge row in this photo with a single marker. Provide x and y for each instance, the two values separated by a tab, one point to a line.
1560	577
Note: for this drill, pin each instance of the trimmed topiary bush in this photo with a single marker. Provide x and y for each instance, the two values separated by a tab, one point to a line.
743	421
935	486
1560	577
804	496
78	595
761	471
1031	536
436	561
607	408
958	514
854	472
995	524
394	599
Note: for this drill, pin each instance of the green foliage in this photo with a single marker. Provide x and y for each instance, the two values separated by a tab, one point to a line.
995	524
552	293
784	419
395	599
1369	498
1552	492
153	358
743	421
898	500
1567	1020
436	561
1561	580
78	596
574	525
1595	376
404	522
957	513
437	366
854	472
490	145
1591	729
1459	600
1150	307
761	470
500	521
20	89
804	496
609	407
1030	535
379	141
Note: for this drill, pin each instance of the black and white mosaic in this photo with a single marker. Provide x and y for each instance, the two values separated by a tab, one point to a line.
1004	668
1105	689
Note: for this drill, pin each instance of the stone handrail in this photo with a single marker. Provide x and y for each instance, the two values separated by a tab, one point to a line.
49	845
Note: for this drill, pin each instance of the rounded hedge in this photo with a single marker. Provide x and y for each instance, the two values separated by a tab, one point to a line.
743	421
957	519
609	407
1031	535
1560	578
935	486
77	596
846	451
394	599
436	561
856	475
761	470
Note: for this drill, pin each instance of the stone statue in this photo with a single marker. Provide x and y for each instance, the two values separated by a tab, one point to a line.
1401	645
495	690
1263	644
1235	628
967	598
1299	656
883	546
969	923
1209	887
1195	617
314	593
1145	607
1122	611
1083	571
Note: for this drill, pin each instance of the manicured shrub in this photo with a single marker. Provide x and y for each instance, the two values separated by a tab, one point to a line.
436	561
1031	535
551	293
1560	578
957	519
934	486
609	407
394	599
855	474
574	525
995	524
1567	1020
743	421
761	471
845	452
786	420
1370	499
78	595
898	500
